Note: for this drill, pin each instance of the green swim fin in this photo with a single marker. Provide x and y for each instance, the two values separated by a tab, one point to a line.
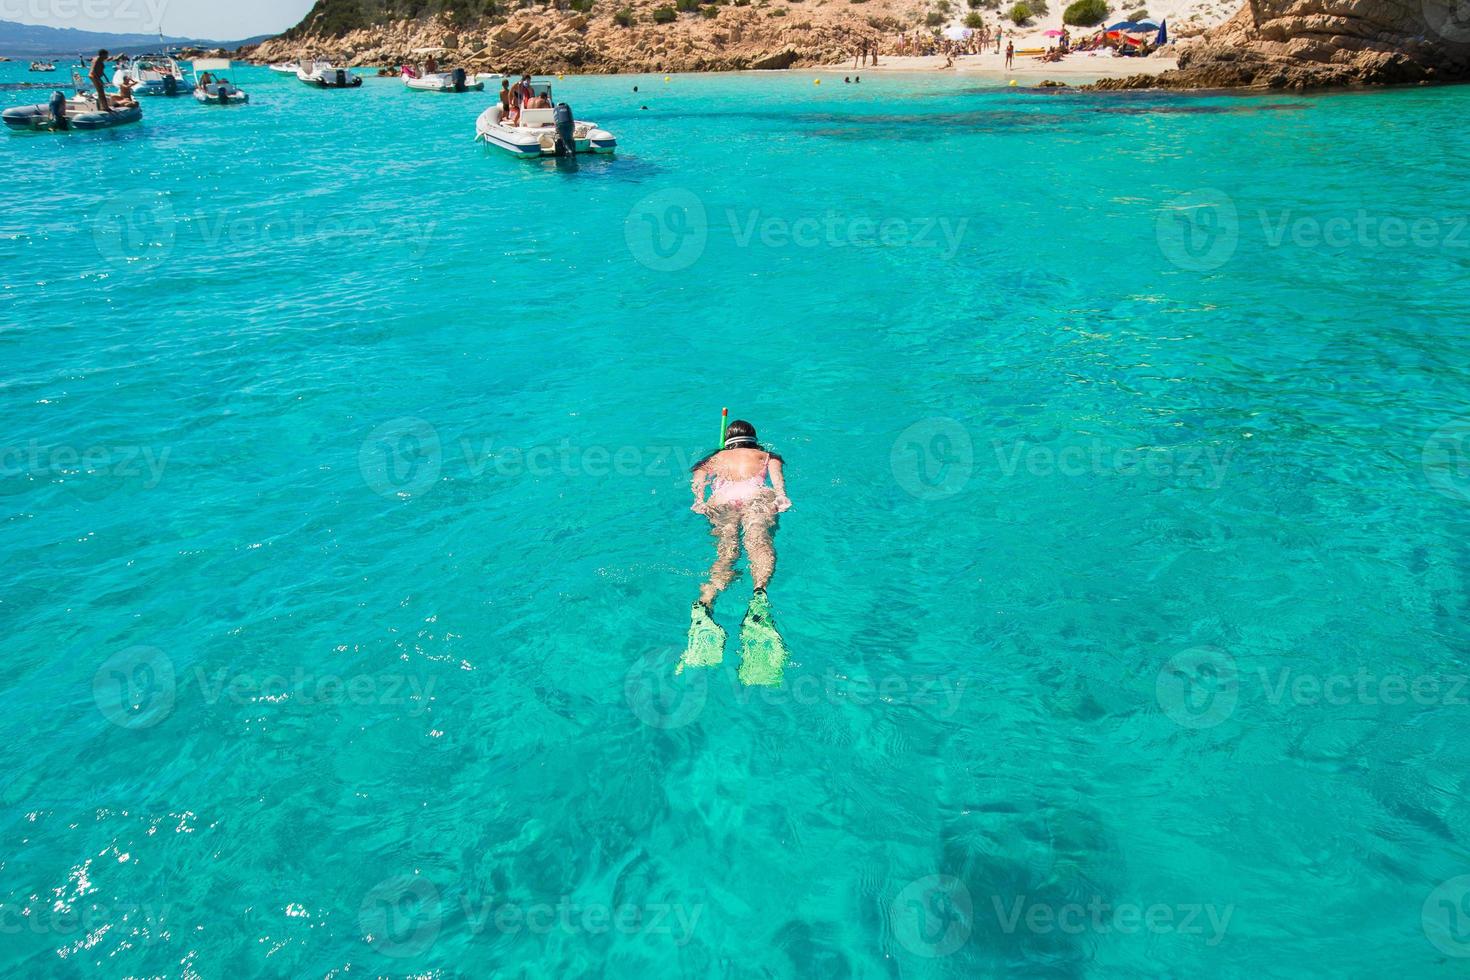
706	641
763	653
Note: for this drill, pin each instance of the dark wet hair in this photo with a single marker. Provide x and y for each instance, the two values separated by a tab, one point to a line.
739	434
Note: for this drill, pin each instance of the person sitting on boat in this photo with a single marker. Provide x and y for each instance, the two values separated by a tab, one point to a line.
124	98
206	80
431	67
96	74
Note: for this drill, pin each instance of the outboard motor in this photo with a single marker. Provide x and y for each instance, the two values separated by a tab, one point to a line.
170	85
566	140
58	109
341	77
459	79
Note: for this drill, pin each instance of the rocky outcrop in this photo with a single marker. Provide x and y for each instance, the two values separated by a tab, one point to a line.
1312	44
624	37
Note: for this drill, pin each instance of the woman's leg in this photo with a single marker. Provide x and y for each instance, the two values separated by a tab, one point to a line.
758	521
725	528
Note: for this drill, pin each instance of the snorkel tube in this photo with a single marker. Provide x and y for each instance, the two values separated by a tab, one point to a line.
724	424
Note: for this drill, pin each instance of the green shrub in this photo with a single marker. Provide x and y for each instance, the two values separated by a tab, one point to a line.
581	6
686	6
1086	13
665	15
1019	13
778	12
623	18
974	21
710	12
1139	14
933	20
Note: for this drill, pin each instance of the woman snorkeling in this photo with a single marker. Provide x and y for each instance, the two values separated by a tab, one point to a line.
740	504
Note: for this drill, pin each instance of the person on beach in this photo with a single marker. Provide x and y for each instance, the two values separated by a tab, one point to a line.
97	75
740	504
740	501
1010	54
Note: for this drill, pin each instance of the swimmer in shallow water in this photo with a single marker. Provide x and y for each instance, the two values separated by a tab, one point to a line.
740	505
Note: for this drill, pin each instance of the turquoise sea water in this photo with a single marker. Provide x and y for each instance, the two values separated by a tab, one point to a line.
348	550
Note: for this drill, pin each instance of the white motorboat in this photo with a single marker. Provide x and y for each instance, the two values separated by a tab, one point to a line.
488	76
61	114
322	74
214	89
152	74
43	66
286	67
542	132
443	81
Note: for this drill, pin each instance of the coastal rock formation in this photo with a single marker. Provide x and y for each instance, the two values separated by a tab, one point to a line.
1307	44
601	36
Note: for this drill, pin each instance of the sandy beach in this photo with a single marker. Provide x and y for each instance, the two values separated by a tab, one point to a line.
1076	68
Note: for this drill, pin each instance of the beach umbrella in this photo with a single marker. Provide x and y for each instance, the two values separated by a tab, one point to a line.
1163	37
1053	33
1148	24
1123	25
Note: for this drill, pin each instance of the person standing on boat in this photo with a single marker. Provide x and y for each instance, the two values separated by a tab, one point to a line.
98	77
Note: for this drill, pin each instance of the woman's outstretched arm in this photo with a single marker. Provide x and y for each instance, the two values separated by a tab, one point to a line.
778	482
